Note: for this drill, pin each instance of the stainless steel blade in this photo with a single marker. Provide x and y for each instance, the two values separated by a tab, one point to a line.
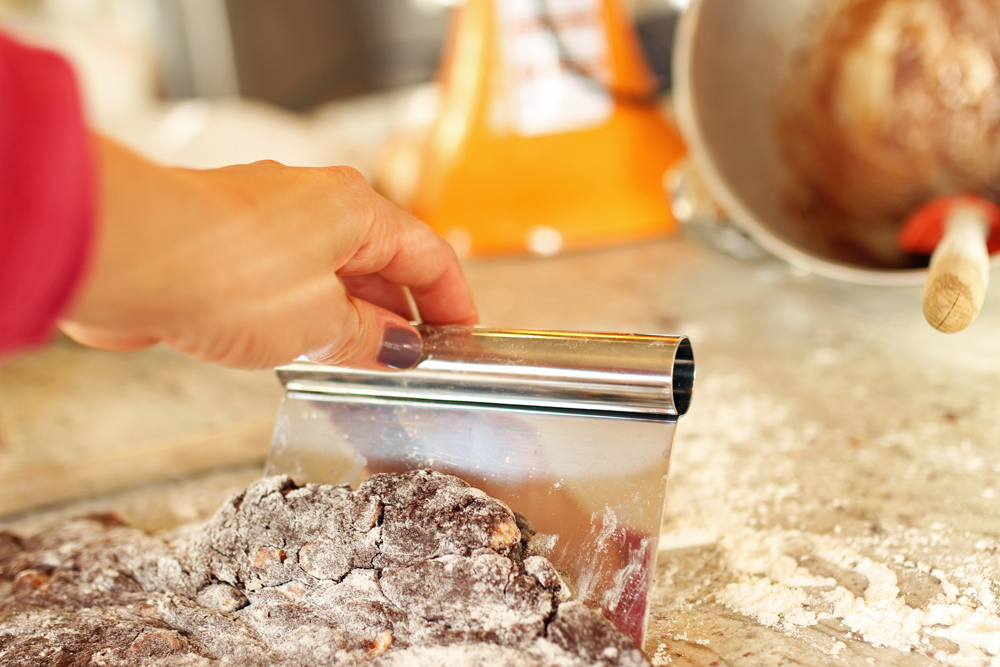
573	431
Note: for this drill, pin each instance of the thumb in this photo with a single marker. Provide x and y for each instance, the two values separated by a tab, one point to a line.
373	338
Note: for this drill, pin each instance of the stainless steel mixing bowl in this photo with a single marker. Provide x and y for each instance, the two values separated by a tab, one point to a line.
730	61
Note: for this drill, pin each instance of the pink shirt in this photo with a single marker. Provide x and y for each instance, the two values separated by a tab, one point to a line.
47	194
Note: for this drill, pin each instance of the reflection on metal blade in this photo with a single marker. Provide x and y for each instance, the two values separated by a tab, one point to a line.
590	473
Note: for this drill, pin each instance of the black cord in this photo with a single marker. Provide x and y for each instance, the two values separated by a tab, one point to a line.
572	65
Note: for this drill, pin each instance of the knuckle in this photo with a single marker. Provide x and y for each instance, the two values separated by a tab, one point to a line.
338	352
352	192
350	342
347	175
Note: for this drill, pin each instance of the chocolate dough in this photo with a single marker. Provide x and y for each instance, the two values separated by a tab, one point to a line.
410	569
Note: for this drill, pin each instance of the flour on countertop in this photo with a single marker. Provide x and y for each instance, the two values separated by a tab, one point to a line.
793	565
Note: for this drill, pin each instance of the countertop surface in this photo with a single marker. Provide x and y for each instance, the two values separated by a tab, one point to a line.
832	499
833	494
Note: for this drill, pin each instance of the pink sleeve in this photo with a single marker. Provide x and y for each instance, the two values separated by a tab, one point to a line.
47	197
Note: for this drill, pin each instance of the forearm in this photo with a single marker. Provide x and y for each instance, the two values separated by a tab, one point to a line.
142	211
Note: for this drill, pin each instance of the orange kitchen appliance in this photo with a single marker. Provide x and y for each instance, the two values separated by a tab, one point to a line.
549	135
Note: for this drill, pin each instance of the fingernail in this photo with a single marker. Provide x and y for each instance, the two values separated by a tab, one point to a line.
401	348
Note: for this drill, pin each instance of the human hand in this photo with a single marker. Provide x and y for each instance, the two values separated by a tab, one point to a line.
251	266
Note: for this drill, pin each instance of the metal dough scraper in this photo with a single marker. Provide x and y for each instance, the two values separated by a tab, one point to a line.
572	430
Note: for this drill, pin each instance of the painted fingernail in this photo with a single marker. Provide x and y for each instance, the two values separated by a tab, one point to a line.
401	348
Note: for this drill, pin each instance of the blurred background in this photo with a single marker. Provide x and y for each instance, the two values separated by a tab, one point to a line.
207	82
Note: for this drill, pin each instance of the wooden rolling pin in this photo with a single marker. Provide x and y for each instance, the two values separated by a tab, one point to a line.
959	233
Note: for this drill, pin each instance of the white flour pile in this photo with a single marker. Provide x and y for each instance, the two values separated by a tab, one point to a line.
829	539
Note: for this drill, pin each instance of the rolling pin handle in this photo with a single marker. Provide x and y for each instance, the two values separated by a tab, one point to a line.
959	270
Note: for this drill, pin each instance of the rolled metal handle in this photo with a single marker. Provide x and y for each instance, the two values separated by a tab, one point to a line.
594	372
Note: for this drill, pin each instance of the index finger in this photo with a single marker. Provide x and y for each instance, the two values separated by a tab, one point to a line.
405	251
